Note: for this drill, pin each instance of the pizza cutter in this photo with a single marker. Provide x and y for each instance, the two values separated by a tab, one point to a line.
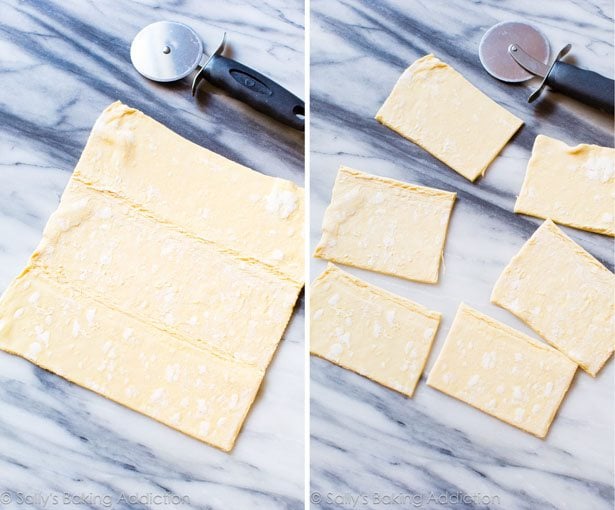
168	51
515	52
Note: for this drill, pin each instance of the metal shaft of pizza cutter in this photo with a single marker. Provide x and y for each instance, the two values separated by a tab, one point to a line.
583	85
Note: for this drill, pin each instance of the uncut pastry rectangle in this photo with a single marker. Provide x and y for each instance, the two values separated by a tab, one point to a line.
159	282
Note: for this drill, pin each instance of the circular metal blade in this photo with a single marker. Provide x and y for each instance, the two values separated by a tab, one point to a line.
493	49
166	51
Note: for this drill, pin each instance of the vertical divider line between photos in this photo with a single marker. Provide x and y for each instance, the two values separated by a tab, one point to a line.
306	232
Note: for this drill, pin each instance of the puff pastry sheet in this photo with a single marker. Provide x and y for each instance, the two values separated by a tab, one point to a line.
372	332
562	293
574	186
502	372
165	279
438	109
386	226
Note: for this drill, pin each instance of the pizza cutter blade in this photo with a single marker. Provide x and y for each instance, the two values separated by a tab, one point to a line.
494	55
514	52
168	51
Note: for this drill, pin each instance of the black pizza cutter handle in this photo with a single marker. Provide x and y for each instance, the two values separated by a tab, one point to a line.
586	86
252	88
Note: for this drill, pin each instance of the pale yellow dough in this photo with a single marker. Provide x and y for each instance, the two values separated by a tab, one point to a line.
164	280
165	276
243	211
386	226
372	332
126	360
574	186
502	372
438	109
562	293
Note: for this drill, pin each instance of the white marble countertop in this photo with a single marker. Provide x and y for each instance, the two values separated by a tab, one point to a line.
61	63
366	440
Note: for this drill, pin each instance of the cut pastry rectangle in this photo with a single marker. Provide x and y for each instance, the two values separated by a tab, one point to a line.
160	282
386	226
502	372
562	293
370	331
574	186
438	109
